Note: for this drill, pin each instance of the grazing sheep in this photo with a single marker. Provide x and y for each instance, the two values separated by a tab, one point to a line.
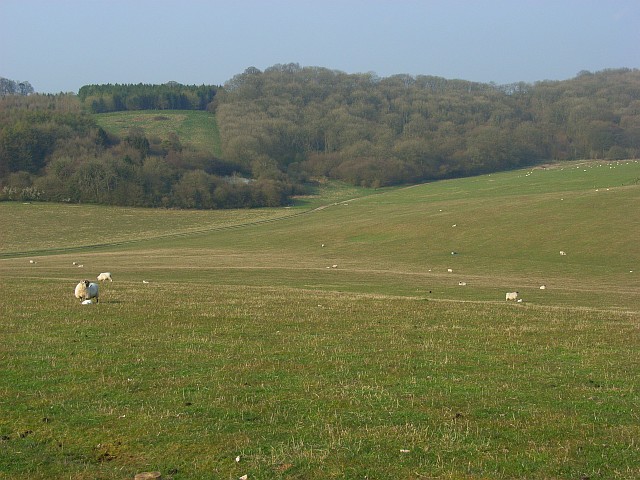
450	270
462	284
543	287
511	296
103	277
86	290
563	253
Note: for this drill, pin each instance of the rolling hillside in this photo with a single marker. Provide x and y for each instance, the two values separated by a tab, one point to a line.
329	339
506	231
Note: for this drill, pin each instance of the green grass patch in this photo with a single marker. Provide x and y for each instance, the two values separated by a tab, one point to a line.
185	377
195	129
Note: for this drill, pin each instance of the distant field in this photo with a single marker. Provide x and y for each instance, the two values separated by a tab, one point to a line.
196	129
66	227
328	340
62	227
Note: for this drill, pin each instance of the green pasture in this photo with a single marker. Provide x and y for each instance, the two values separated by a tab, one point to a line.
234	343
196	129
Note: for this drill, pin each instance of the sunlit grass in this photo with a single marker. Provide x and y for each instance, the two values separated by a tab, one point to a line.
246	341
184	378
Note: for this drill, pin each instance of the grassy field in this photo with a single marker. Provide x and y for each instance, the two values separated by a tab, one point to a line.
248	353
196	129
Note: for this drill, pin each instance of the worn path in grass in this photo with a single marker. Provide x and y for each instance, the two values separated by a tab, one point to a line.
48	229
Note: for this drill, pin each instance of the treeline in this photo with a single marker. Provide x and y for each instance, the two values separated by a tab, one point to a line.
169	96
375	131
287	126
12	87
52	150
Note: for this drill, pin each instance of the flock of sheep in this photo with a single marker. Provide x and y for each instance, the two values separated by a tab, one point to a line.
509	296
87	291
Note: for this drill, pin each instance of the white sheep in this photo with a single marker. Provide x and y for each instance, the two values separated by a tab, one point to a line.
103	277
543	287
511	296
462	284
86	290
563	253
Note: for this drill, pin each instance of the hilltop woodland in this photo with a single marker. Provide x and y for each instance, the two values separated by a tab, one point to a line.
289	126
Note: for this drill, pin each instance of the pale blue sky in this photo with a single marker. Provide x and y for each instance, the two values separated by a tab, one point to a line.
60	45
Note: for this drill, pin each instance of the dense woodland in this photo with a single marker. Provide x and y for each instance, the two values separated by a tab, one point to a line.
383	131
288	126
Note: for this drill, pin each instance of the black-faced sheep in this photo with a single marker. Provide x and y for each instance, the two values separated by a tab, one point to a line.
86	290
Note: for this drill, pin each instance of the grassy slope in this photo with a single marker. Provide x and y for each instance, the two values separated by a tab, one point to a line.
509	230
196	129
244	343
